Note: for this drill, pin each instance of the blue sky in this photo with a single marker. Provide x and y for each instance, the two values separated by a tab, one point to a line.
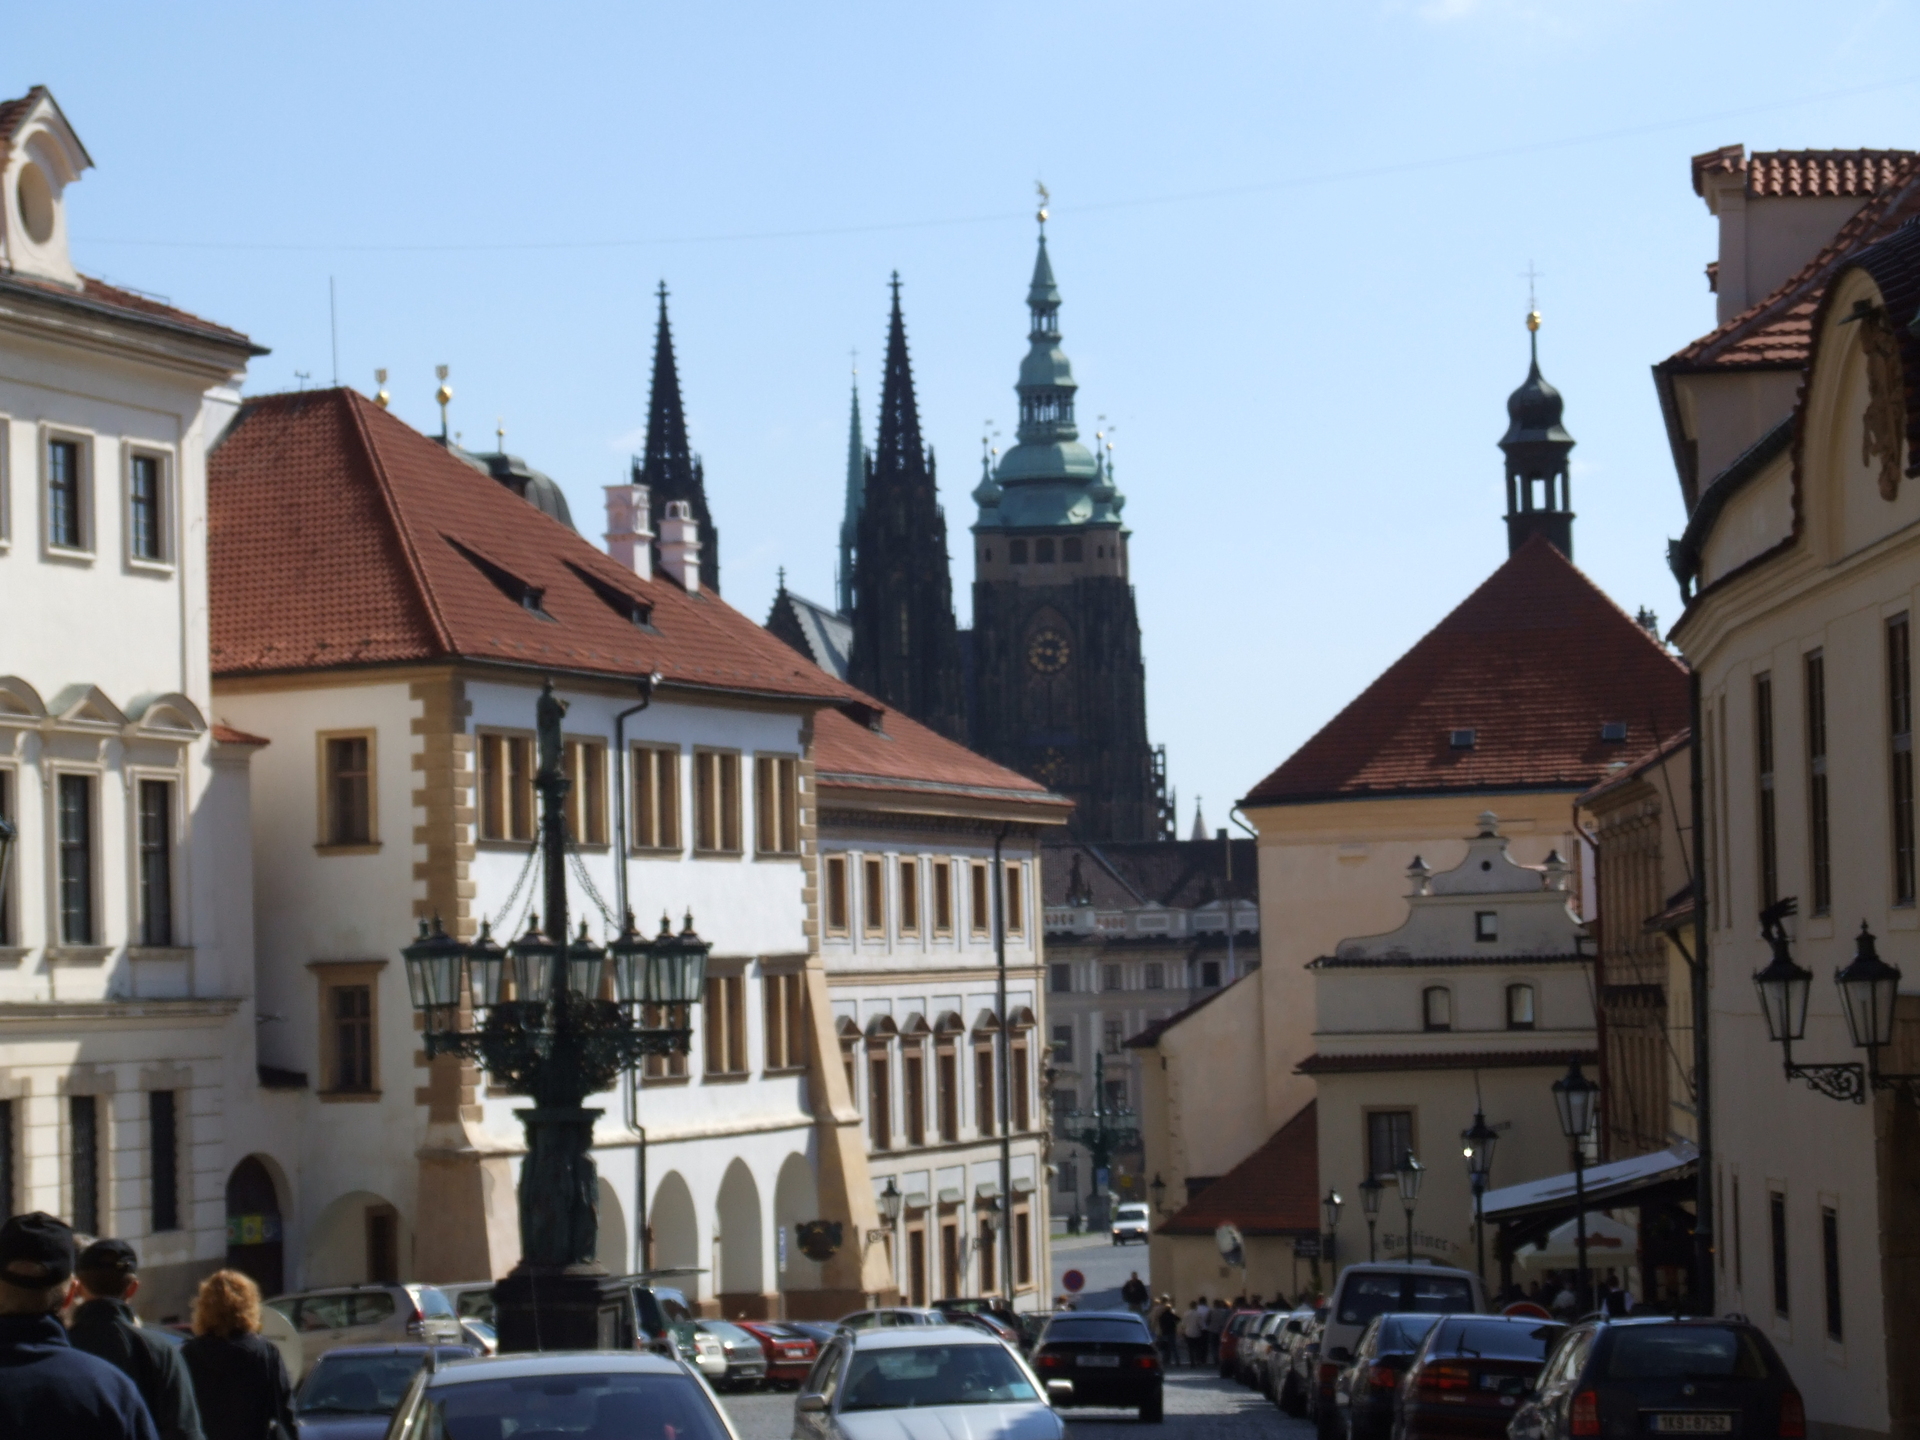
1291	241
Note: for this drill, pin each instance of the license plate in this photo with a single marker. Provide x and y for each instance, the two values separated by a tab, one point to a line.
1693	1424
1104	1362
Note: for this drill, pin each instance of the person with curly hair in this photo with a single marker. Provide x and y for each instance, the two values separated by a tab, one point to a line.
239	1377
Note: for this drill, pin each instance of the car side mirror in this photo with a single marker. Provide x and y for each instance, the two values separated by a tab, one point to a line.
1059	1392
812	1403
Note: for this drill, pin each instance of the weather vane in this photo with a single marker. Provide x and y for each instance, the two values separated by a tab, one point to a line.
1045	198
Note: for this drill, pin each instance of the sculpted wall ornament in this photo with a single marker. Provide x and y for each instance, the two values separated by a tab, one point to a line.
1884	423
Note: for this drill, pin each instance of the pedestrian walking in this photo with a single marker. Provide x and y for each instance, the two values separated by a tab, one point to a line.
1166	1325
46	1386
1193	1329
239	1379
1134	1293
1217	1319
103	1324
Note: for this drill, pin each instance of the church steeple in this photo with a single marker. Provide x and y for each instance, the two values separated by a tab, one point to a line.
906	647
670	470
1537	446
856	497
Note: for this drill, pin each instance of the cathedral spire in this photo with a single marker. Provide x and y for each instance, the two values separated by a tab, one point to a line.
1537	446
856	497
897	448
669	469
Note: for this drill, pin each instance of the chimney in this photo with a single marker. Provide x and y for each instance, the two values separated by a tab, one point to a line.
629	528
680	545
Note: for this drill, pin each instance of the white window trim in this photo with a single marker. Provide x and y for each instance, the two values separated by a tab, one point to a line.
169	510
11	886
6	485
57	942
86	550
177	840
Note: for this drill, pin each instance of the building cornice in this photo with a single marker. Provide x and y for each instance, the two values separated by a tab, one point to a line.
1378	1063
76	321
138	1012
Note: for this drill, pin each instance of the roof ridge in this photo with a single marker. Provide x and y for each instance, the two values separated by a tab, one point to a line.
416	571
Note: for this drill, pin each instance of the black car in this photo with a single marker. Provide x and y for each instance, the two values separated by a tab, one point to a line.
1109	1357
1364	1393
1658	1377
1469	1378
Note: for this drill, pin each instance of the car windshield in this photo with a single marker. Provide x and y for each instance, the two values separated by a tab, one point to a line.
1404	1332
1497	1339
475	1304
1116	1330
913	1377
1684	1352
558	1407
1365	1296
345	1384
1133	1212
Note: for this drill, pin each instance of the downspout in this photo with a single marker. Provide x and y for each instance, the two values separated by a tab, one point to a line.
1599	987
1702	1056
642	1259
1005	1096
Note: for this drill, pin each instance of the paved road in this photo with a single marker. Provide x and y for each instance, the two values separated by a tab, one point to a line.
1199	1405
1105	1264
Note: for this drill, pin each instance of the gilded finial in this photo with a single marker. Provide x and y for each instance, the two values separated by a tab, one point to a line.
500	433
1533	321
1045	198
381	397
442	395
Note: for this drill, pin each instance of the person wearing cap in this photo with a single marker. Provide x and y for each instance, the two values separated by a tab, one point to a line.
103	1325
47	1387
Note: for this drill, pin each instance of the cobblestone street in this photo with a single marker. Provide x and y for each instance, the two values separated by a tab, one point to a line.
1198	1404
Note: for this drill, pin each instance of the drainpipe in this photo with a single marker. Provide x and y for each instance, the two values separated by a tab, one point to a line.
621	909
1005	1061
1702	1056
1592	837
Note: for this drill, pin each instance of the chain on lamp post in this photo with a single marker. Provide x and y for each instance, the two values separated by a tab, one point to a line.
558	1021
1370	1190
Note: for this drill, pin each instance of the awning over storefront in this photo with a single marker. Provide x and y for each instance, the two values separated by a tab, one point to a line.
1611	1186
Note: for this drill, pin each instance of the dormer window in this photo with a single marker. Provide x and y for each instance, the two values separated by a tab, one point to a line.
1613	732
523	593
45	157
1462	739
631	608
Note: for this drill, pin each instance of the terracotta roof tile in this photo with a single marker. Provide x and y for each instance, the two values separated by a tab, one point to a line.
1639	766
1534	662
227	735
1805	173
1274	1191
97	295
903	753
12	112
1442	1060
335	541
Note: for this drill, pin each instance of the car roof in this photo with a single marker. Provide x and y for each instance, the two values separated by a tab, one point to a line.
901	1337
456	1352
1402	1267
555	1362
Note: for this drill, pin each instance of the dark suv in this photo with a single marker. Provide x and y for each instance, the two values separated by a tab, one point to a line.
1653	1377
1107	1355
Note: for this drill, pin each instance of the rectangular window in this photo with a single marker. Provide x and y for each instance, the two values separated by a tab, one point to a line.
1018	1083
1069	1176
984	1115
1486	925
949	1230
506	787
716	803
75	838
848	1064
947	1082
156	862
1112	1037
776	804
163	1139
1116	1096
1063	1044
1818	841
1830	1261
6	878
1519	1007
836	887
1210	974
1060	978
351	1014
1436	1003
989	1252
9	1191
873	896
1777	1218
879	1100
913	1065
586	802
1900	735
1109	977
66	496
348	790
1023	1218
1016	894
662	1017
146	519
1763	768
1065	1103
83	1133
1389	1136
981	920
785	1002
726	1022
909	897
1156	976
656	798
943	897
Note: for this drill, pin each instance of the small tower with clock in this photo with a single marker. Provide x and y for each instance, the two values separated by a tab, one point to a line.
1059	686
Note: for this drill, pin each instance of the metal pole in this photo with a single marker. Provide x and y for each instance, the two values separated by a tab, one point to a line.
1480	1229
1371	1257
1703	1222
622	909
1409	1255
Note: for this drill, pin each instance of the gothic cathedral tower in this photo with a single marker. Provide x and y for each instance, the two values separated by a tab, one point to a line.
1059	686
670	470
906	647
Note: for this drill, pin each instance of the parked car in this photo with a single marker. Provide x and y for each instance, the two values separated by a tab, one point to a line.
480	1335
818	1331
1469	1378
1107	1355
1364	1291
655	1317
1367	1388
352	1390
1297	1364
367	1315
954	1379
1131	1223
1662	1377
472	1299
1237	1324
1255	1347
746	1356
603	1392
890	1316
790	1351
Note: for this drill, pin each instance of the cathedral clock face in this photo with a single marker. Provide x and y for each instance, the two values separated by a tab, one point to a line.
1048	652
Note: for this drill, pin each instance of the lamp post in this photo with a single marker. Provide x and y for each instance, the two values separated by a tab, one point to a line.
1574	1096
1477	1142
1409	1175
890	1201
1104	1133
559	1021
1158	1189
1330	1208
1370	1189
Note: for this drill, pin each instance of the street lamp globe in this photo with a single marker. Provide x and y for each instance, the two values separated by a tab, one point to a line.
1783	987
433	973
585	962
1330	1207
1158	1189
1370	1192
1476	1147
1409	1174
890	1201
1868	988
533	956
485	962
1574	1096
678	974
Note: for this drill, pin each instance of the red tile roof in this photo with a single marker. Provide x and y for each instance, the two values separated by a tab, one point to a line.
1639	766
340	537
1533	662
904	754
1274	1191
227	735
1806	173
12	112
1441	1060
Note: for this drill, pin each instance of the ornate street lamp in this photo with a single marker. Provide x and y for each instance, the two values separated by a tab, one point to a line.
1409	1175
1158	1189
1370	1189
1869	988
558	1021
1330	1208
1104	1133
1476	1146
1574	1096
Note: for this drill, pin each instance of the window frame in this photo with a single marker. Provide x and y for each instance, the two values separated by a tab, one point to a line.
1368	1116
776	804
1015	898
143	932
163	1161
654	791
58	935
497	786
1486	927
1766	806
1782	1276
873	897
86	541
1819	834
1830	1264
1515	990
166	556
586	790
907	900
913	1088
719	769
1427	1023
724	1020
986	1086
942	890
326	843
671	1069
334	976
90	1210
783	1003
879	1094
834	896
9	882
1899	680
979	900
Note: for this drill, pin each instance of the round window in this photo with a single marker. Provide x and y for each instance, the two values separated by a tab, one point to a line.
34	197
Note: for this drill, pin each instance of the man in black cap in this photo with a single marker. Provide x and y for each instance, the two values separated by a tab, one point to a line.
103	1325
46	1386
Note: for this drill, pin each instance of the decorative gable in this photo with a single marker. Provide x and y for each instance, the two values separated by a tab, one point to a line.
42	157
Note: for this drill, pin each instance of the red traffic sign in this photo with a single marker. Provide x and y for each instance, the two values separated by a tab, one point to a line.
1073	1282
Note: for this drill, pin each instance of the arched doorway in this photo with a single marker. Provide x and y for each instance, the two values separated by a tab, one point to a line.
610	1244
795	1200
676	1230
254	1244
739	1265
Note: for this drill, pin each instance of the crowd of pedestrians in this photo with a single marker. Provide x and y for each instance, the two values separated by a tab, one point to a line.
1193	1334
100	1375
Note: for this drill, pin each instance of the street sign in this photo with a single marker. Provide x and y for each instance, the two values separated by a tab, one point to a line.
1073	1282
1306	1247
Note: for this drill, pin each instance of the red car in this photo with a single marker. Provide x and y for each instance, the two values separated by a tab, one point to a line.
790	1353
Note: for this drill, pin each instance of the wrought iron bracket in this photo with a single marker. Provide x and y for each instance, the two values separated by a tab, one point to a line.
1907	1085
1836	1082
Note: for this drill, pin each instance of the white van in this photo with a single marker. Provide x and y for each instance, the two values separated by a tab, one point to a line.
1130	1223
1364	1291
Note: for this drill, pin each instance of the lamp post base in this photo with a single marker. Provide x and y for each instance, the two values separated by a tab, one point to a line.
578	1308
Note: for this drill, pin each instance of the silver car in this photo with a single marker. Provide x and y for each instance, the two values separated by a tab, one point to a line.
891	1316
368	1315
910	1381
571	1393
